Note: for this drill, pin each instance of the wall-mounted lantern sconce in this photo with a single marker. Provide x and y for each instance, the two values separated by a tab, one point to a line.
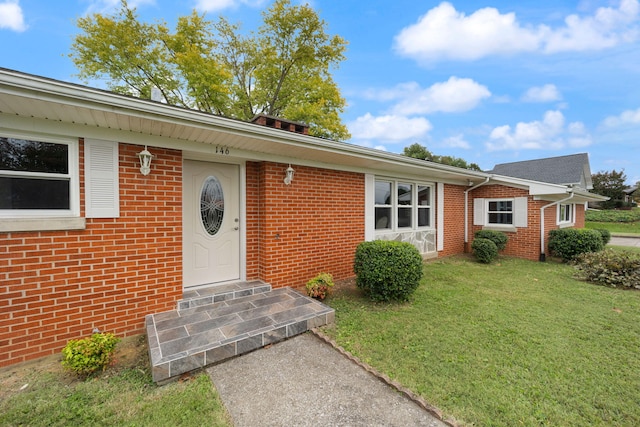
145	161
289	178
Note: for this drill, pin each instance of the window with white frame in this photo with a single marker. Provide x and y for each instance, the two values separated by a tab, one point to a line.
500	212
402	206
38	177
566	213
504	213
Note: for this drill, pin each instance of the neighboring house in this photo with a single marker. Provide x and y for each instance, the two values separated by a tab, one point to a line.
630	194
89	239
573	170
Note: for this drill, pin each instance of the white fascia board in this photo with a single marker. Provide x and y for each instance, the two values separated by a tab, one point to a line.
39	89
535	188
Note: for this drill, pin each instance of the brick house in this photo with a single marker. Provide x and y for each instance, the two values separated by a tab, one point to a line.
90	239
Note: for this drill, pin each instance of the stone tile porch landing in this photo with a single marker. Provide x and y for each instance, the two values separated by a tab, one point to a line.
217	323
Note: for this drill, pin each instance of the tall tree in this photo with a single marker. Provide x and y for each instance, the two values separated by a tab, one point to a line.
610	184
418	151
283	69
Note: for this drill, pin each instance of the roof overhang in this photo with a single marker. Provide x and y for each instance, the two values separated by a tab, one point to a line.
547	191
28	96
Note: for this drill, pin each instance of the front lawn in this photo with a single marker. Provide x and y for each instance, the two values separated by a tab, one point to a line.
40	393
514	343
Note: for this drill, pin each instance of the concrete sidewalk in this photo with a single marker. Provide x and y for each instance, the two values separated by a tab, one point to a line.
304	381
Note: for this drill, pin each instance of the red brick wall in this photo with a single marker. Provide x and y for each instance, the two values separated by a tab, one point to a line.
59	285
453	220
524	242
313	225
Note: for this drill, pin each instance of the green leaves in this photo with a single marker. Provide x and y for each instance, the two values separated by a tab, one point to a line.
282	70
88	355
388	270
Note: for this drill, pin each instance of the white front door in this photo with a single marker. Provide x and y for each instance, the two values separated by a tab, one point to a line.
211	216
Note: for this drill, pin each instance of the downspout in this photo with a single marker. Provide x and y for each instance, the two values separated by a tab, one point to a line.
466	209
542	254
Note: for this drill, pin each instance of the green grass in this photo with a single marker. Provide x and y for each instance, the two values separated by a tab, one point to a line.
615	227
515	343
125	397
616	221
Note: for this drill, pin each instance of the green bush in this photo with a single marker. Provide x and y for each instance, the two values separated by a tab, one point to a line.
387	270
497	237
593	215
485	250
610	268
568	243
605	234
320	286
88	355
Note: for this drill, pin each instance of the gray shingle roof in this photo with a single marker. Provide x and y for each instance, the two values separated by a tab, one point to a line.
568	170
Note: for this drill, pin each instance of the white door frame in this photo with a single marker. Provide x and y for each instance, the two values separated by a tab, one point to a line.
242	170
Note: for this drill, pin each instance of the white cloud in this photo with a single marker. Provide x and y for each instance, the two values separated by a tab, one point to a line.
445	33
629	117
546	93
454	95
550	133
389	127
11	17
456	141
607	28
217	5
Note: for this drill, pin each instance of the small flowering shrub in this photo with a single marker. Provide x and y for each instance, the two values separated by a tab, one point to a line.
616	269
484	250
320	286
88	355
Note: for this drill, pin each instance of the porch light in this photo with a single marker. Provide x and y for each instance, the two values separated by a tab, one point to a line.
145	161
289	178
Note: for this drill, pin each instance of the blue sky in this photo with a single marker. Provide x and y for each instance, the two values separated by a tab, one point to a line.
489	81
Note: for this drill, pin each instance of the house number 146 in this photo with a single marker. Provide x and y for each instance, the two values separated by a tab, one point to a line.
222	150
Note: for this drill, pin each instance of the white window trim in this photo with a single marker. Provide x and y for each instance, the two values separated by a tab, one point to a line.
572	220
414	207
54	215
519	212
513	213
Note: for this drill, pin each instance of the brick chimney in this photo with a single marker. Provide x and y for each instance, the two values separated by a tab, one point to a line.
278	123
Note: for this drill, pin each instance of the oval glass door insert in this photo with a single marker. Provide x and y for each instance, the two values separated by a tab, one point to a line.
212	205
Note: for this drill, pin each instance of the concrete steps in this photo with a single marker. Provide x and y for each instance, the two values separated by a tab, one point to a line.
217	323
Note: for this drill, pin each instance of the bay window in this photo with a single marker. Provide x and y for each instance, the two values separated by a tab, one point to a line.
401	205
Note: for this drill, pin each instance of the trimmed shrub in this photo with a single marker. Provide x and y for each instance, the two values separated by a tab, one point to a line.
320	286
88	355
610	268
605	234
484	250
568	243
497	237
387	270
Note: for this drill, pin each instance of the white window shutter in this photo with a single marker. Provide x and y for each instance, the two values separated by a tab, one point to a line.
440	224
521	212
369	207
479	214
101	179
